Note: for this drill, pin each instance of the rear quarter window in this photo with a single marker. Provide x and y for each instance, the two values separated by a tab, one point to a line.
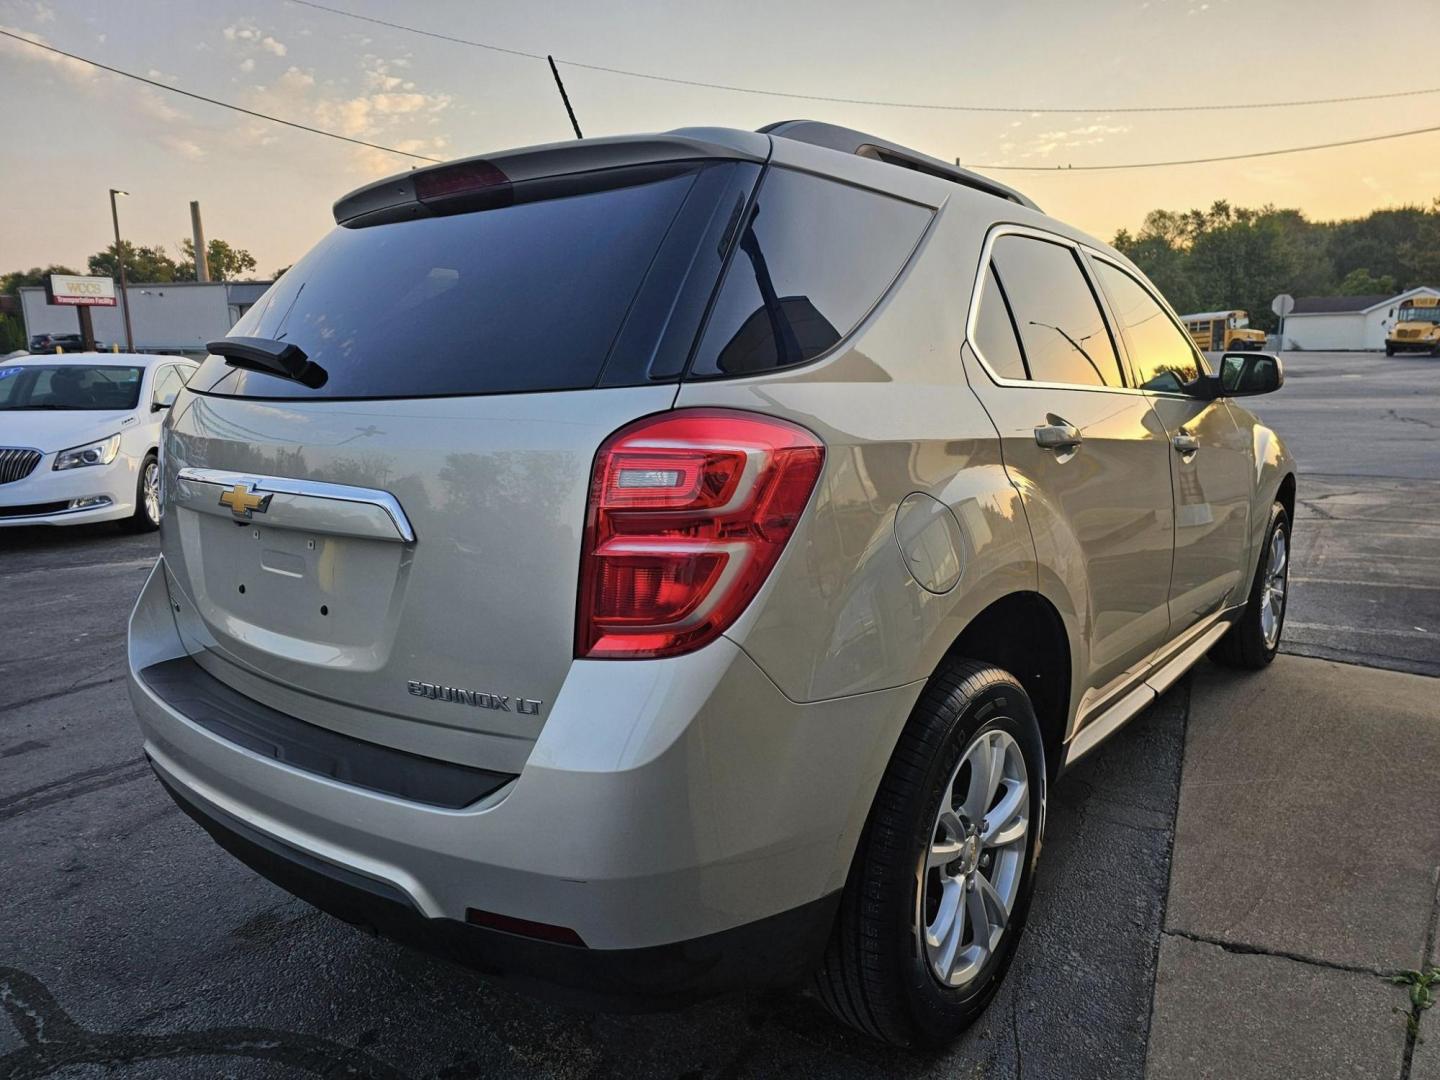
814	258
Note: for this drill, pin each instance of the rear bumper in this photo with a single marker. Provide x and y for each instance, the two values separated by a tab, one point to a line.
687	821
774	950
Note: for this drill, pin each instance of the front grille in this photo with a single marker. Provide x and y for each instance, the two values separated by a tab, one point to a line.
1408	334
16	463
33	509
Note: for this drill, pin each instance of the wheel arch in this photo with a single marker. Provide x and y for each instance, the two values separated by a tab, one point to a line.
1023	633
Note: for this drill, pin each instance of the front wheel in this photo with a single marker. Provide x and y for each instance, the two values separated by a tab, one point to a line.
147	498
1255	638
1389	350
940	886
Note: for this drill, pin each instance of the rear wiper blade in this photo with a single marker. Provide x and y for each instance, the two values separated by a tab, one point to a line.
281	358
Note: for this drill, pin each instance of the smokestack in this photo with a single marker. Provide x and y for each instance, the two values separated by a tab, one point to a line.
202	263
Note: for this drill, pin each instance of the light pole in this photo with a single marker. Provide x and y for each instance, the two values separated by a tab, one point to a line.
120	258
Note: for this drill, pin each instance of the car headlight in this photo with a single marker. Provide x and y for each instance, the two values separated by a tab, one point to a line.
95	453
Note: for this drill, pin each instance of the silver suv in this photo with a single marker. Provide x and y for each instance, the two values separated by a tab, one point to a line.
647	567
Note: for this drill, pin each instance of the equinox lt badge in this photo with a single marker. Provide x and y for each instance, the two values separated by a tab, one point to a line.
500	702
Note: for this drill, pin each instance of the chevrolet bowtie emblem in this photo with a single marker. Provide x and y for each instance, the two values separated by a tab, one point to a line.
243	501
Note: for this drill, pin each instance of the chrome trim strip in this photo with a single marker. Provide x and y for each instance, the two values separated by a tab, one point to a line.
312	489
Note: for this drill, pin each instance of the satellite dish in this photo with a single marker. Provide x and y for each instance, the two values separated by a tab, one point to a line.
1283	304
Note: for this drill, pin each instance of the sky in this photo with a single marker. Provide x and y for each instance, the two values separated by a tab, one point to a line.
70	132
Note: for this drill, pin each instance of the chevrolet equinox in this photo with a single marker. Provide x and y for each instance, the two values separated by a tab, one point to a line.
645	567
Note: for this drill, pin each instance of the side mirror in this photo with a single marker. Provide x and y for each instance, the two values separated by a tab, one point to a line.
1248	373
162	403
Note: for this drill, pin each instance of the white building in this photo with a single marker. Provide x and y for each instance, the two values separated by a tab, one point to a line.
1337	323
171	316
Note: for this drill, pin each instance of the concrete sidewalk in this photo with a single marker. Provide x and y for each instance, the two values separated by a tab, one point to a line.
1304	874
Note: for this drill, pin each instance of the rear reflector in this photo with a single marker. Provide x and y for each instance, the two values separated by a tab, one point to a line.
689	511
561	935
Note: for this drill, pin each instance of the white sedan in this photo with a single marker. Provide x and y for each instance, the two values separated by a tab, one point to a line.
80	437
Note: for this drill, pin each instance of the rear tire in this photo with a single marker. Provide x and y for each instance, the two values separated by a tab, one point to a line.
147	498
909	909
1255	638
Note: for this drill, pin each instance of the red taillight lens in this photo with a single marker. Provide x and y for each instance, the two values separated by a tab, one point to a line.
688	513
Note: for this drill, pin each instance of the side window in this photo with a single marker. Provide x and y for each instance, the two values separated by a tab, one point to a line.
1162	356
814	259
167	385
1062	332
995	338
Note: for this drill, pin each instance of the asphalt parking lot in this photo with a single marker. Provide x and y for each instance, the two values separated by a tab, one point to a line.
131	945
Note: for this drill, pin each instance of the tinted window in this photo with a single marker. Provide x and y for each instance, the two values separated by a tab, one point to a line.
1162	355
995	333
1061	329
69	386
516	298
167	384
814	259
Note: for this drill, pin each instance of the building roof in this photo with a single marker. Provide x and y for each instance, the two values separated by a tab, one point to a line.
1350	305
1337	305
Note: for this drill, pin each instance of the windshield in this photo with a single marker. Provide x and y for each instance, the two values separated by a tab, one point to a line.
1420	314
1239	320
70	386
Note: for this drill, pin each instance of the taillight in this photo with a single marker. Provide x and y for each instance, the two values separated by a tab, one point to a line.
688	513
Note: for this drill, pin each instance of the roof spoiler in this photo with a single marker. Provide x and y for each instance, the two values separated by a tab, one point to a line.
491	179
849	141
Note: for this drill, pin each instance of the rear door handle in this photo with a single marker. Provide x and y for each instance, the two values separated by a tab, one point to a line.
1057	434
1185	443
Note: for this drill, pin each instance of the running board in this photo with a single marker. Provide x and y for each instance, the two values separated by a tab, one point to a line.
1155	684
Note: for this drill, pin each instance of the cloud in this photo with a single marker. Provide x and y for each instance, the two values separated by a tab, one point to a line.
247	65
1047	142
248	36
387	110
73	70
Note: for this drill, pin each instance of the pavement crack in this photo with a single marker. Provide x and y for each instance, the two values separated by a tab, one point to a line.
1241	948
70	787
1189	685
1412	1029
55	1043
71	689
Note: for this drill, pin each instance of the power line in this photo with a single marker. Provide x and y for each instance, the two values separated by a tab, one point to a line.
422	157
214	101
870	101
1207	160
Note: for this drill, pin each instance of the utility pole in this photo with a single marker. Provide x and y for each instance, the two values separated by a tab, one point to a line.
202	254
120	258
564	97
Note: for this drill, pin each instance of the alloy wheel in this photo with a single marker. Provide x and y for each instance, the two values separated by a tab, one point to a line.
1272	595
150	488
975	859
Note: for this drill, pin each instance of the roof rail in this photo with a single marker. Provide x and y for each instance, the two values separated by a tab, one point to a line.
849	141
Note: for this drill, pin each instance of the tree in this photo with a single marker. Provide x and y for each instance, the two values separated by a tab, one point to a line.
1239	257
226	263
1360	282
12	332
142	264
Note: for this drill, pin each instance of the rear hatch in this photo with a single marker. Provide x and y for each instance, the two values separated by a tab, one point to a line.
393	552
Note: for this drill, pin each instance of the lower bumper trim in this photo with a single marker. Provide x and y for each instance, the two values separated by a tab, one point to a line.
774	951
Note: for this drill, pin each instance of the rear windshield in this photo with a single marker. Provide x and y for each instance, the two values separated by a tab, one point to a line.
69	386
522	298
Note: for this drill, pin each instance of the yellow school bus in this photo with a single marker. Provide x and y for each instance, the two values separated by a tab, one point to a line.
1417	327
1223	331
